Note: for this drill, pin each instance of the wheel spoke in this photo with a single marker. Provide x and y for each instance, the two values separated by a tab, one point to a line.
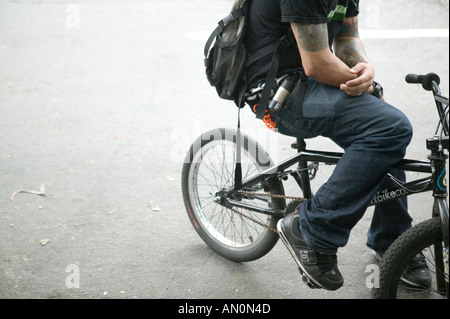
213	173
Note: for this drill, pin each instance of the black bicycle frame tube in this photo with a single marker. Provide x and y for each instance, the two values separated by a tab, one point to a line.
414	187
440	209
322	157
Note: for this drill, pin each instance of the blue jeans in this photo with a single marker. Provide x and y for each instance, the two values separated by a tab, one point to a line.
374	136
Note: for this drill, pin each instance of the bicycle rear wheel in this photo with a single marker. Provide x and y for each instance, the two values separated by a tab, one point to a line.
426	238
209	168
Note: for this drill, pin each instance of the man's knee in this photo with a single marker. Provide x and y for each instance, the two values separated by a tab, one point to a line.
401	132
404	128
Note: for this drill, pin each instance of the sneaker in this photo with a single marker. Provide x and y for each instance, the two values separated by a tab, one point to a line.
317	270
416	273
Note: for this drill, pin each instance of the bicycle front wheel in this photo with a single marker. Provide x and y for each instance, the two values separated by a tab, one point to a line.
425	237
237	234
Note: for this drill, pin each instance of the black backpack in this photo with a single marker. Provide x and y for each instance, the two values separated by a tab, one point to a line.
226	58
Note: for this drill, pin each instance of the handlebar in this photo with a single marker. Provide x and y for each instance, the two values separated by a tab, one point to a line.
430	82
426	80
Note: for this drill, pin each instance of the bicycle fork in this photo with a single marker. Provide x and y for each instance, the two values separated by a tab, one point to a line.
440	209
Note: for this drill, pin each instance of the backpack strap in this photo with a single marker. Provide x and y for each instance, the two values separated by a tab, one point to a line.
301	96
255	56
238	167
261	53
271	75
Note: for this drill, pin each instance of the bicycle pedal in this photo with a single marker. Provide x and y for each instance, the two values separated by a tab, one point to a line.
307	280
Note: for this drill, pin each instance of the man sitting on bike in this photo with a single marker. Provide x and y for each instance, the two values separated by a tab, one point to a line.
342	102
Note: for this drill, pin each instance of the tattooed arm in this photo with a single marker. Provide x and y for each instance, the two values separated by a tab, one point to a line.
317	59
335	70
349	49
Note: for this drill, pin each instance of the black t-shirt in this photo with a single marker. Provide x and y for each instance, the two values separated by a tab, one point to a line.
269	21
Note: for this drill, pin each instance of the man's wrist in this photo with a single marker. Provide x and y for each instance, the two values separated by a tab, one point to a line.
377	90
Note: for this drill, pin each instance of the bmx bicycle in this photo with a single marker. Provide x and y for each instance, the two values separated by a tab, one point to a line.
238	221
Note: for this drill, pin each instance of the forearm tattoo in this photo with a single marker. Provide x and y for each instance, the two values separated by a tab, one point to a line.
350	51
349	28
347	44
312	37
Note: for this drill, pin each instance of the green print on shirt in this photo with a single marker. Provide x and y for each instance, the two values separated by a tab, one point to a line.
338	13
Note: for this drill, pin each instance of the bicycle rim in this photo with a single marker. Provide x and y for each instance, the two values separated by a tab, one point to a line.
212	170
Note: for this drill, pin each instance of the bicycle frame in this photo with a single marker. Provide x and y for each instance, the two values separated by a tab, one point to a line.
302	179
435	182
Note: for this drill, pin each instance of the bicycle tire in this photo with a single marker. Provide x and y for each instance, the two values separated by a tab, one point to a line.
209	168
419	238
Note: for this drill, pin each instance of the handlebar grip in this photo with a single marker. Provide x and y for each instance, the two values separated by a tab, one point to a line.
426	80
414	78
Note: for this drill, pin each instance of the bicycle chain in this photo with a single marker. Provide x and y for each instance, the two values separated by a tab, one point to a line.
272	195
265	195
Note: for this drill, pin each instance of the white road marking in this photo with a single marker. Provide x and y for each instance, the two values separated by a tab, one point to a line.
364	34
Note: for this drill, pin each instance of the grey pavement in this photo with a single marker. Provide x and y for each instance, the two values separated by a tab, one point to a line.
100	100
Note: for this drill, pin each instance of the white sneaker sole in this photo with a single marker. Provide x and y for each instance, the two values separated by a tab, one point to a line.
305	276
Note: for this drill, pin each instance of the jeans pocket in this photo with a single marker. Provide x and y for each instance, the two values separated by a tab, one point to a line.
319	101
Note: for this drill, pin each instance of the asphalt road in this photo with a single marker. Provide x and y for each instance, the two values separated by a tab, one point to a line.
99	103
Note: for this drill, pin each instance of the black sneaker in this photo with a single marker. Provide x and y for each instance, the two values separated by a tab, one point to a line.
318	270
416	273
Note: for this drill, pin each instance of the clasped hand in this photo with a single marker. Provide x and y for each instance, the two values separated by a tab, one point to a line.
362	82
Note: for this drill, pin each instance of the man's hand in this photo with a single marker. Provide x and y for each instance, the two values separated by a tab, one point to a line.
365	73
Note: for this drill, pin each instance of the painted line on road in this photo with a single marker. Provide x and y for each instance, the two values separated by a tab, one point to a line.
364	34
403	34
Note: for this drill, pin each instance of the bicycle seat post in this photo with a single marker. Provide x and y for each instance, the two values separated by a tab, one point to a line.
299	145
302	178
